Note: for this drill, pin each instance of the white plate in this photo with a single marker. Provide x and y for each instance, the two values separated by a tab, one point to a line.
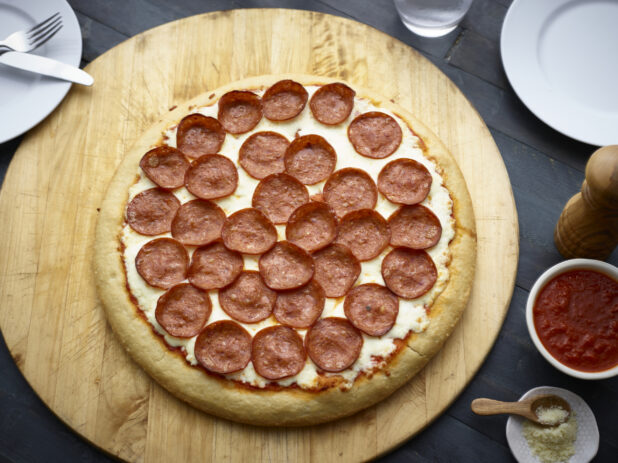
561	57
27	98
587	439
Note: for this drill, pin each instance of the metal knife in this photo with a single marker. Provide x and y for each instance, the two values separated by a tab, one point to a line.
46	66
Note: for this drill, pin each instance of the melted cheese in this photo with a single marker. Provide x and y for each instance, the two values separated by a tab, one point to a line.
412	313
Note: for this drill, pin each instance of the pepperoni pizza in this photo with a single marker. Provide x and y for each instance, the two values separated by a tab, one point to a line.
285	250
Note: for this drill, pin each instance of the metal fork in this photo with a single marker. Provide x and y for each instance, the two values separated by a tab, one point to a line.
25	41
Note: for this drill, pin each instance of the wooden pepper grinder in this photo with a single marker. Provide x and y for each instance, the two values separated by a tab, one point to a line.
588	225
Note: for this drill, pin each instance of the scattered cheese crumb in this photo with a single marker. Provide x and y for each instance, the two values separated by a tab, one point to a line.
551	445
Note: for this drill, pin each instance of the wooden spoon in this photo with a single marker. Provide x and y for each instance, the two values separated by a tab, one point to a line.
526	408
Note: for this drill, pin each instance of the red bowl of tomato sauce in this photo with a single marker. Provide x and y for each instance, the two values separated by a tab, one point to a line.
572	317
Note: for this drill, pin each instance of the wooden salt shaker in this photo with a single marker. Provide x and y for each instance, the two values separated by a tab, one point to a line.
588	225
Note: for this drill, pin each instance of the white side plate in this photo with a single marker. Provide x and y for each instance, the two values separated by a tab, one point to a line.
587	440
561	57
27	98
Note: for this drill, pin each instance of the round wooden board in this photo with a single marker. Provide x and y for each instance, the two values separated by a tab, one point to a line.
49	313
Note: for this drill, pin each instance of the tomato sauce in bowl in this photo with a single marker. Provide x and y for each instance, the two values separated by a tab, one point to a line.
576	319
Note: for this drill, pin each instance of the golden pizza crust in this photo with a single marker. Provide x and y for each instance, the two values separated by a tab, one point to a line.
288	406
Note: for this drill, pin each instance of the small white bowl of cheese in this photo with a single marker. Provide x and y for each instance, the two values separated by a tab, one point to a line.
532	449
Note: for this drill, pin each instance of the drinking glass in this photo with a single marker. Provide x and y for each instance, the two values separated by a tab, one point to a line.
432	18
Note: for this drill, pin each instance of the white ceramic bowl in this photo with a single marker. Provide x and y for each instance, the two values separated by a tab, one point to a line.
573	264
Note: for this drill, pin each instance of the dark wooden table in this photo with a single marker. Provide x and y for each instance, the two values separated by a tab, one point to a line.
545	168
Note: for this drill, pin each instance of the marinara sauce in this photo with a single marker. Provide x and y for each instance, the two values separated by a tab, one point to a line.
576	318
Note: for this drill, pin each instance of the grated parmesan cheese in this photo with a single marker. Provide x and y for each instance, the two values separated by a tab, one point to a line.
551	445
551	415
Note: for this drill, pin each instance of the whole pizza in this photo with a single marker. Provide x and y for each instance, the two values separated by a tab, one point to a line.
285	250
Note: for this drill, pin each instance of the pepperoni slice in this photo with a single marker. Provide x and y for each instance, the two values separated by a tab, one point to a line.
211	176
248	231
278	195
248	299
166	166
284	100
285	266
183	310
300	308
319	197
262	154
414	227
404	181
239	111
332	104
365	232
372	309
409	273
374	134
198	222
336	269
312	226
333	344
310	159
278	352
198	135
214	266
162	262
151	212
223	347
349	190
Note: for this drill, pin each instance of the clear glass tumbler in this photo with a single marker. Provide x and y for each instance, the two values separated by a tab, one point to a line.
432	18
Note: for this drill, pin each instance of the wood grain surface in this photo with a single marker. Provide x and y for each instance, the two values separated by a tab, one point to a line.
588	224
49	314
